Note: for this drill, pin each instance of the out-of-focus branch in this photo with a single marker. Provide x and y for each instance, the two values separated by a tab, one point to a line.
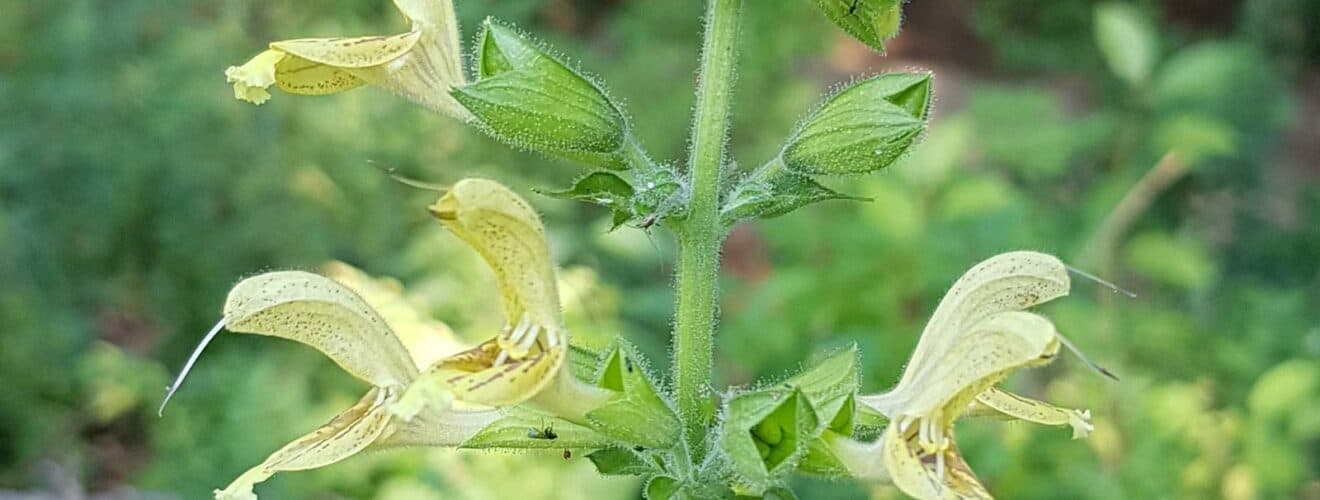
1099	249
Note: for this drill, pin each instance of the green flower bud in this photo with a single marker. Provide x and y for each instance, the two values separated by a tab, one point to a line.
528	98
869	21
864	128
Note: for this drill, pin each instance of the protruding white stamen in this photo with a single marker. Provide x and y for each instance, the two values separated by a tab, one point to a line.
1080	420
169	391
552	337
530	338
904	423
939	464
499	360
936	433
521	329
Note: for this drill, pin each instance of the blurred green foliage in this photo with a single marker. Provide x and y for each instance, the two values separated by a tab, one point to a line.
134	191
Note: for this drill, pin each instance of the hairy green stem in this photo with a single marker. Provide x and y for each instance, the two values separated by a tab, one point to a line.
700	232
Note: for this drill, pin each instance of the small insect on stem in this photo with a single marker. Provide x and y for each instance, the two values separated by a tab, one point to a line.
568	454
545	432
645	226
649	221
187	367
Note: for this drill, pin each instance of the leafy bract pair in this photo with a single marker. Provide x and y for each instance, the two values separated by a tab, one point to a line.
979	334
443	404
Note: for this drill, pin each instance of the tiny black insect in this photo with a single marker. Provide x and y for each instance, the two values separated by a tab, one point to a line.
649	221
545	432
568	454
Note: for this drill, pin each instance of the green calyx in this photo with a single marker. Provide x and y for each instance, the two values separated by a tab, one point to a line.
864	128
527	97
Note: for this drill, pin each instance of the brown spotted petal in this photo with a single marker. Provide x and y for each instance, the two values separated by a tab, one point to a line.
347	434
928	474
480	376
504	229
325	315
422	64
529	352
427	340
998	402
978	336
991	350
1012	281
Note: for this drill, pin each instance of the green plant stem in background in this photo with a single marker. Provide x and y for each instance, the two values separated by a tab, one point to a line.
1099	248
699	233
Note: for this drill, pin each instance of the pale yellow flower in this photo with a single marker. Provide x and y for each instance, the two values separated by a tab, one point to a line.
421	65
529	353
334	319
978	335
445	404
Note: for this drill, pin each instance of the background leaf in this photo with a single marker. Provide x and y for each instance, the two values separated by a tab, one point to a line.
1127	40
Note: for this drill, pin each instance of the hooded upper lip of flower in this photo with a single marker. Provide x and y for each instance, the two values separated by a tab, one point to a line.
520	361
978	335
421	65
341	323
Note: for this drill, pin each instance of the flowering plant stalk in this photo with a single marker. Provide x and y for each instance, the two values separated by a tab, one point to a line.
523	388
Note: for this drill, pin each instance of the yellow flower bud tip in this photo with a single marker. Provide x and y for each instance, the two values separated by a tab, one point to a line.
253	77
444	209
